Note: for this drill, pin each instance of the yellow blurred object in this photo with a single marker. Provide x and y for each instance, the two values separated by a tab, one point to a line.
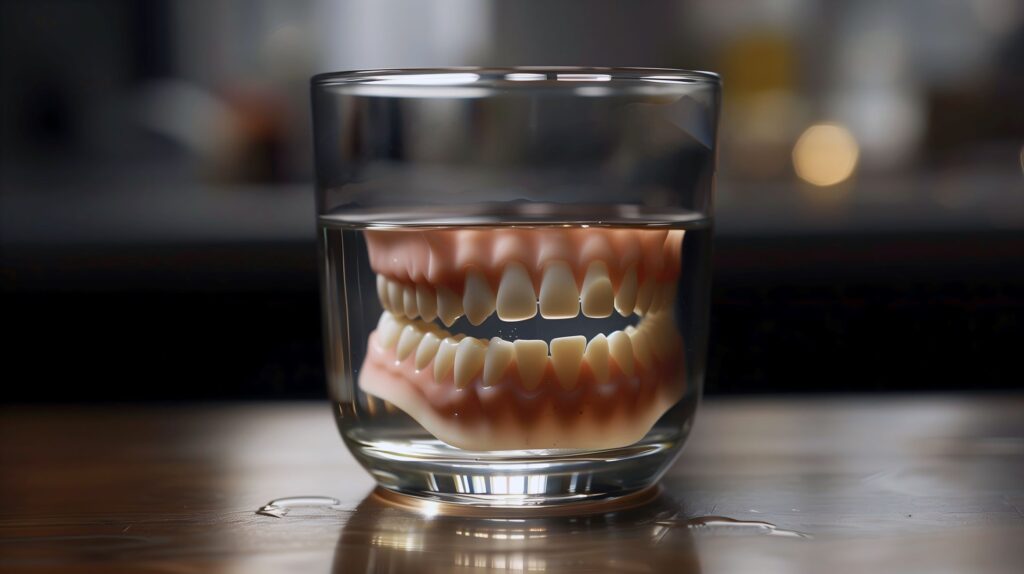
825	154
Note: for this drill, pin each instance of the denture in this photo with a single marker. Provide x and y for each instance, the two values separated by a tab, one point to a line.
525	394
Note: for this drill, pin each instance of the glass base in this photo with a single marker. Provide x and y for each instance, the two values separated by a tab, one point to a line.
430	470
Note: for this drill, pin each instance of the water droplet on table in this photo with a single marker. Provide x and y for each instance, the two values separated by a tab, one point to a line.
279	508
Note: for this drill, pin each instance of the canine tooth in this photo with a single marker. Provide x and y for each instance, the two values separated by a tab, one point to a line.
478	299
566	357
621	349
395	297
516	299
449	305
597	297
641	347
559	297
499	356
469	359
389	329
597	358
427	349
625	299
426	301
445	359
409	302
531	360
382	292
407	342
643	296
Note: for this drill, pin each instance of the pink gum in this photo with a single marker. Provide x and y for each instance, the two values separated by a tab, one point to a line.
442	256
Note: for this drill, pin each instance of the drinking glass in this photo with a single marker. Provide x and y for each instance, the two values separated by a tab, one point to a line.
515	278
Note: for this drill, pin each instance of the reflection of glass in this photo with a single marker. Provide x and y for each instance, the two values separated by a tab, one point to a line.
515	274
380	537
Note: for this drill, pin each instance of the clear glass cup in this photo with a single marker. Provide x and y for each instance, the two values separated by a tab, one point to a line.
515	275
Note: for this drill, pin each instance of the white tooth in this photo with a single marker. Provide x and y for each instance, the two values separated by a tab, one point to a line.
559	298
469	359
531	361
449	305
661	339
499	356
407	342
597	358
382	292
625	299
426	301
395	297
427	349
389	329
597	297
641	346
409	302
445	359
643	296
516	299
621	349
478	299
566	357
658	298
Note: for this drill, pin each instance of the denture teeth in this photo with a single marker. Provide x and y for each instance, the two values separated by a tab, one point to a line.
641	346
427	349
597	357
409	302
625	299
389	329
661	340
531	361
499	356
445	359
426	301
559	297
408	341
395	294
566	358
478	299
621	349
469	359
597	297
382	292
449	305
516	298
643	296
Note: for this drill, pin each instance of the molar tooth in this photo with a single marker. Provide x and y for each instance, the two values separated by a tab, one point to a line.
445	359
531	360
449	305
407	342
641	346
409	302
469	359
426	301
597	296
559	297
625	299
395	297
516	299
499	356
621	348
389	329
643	296
382	292
566	357
427	349
478	299
597	358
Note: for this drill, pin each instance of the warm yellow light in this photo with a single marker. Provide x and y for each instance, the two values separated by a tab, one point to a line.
825	154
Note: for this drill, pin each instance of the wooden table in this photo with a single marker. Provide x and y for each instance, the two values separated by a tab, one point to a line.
851	484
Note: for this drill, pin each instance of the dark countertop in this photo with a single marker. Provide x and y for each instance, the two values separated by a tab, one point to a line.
849	483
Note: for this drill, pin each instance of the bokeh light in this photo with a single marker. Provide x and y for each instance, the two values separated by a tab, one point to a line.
825	154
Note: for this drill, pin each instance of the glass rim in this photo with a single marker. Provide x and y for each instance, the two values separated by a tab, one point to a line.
513	78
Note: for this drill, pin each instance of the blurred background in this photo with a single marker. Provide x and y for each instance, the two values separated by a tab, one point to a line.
156	199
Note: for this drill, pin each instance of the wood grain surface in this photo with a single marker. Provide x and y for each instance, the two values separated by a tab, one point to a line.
838	484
